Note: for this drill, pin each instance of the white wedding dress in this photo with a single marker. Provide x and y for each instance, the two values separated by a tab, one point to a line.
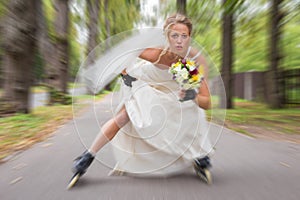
163	135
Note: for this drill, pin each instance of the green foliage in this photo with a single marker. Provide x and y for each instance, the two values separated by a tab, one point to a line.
251	45
3	7
75	58
206	26
282	121
120	19
21	131
232	6
291	45
75	48
251	33
38	68
7	107
49	10
57	97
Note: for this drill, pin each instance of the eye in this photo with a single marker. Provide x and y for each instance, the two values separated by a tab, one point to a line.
174	36
184	36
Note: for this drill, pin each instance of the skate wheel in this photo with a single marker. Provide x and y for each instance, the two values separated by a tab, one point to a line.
206	177
73	181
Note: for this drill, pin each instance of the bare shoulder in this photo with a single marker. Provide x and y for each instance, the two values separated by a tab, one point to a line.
151	54
199	57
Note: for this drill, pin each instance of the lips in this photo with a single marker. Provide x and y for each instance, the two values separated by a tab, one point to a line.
179	47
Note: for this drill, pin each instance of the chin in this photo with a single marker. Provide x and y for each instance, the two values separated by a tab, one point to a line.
181	52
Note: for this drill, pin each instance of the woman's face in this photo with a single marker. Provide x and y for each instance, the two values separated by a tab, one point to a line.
179	39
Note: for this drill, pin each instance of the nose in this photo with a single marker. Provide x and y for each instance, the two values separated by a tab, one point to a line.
179	40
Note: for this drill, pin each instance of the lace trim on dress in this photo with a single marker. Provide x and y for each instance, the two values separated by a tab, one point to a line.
198	54
187	53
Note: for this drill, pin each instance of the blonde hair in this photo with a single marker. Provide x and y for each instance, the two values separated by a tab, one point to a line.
171	20
177	19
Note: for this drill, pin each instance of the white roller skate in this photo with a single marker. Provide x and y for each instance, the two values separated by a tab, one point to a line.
80	166
201	167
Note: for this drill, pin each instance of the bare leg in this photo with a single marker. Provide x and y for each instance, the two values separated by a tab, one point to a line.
109	130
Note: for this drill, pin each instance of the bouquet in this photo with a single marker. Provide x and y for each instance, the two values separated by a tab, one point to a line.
187	74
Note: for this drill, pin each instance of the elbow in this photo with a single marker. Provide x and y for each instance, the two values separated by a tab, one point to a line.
204	102
206	105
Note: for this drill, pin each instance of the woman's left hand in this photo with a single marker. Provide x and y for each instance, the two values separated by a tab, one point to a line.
186	95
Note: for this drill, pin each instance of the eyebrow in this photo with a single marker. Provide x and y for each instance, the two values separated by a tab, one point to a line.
176	32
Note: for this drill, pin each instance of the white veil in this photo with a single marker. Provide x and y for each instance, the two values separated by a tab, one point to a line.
119	56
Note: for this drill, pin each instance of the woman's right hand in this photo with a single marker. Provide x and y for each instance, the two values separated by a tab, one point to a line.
127	78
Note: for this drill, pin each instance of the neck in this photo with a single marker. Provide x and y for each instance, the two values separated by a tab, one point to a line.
175	56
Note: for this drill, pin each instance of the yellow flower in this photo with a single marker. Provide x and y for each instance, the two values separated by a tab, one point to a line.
176	65
191	63
201	70
195	77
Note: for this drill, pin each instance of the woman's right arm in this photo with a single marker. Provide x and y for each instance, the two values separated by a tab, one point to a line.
150	54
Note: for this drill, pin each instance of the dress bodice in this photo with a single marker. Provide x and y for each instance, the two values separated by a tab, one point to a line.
153	75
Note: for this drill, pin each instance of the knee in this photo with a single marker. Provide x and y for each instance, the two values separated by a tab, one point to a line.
121	118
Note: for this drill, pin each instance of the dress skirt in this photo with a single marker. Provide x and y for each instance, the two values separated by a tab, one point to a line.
163	135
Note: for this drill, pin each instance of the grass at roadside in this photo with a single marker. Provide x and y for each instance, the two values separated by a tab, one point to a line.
38	89
256	119
22	131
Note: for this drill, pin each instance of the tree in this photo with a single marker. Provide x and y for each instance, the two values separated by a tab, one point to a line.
274	93
227	55
107	23
93	9
229	9
181	6
121	19
61	34
46	47
19	47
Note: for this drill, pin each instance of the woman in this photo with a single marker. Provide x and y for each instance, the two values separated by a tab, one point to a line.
155	133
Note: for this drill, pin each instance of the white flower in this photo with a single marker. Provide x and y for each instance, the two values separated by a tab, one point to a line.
177	69
184	73
191	67
179	78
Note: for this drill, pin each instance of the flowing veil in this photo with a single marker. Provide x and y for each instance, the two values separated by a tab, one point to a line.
119	56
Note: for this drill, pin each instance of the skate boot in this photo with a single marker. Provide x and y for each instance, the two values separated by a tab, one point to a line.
80	166
201	167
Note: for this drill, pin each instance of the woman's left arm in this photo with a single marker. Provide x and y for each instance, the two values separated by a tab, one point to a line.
203	97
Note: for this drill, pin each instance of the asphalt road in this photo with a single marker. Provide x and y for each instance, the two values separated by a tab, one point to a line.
243	168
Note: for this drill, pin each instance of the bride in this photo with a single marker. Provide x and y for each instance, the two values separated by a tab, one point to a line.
154	133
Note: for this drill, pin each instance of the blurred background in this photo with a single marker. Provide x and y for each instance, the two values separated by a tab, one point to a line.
254	43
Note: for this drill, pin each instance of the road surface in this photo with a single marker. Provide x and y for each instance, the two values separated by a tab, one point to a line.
243	168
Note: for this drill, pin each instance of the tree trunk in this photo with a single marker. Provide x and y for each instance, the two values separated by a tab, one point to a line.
7	77
58	77
107	29
107	24
19	49
227	57
181	6
45	46
93	8
273	85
